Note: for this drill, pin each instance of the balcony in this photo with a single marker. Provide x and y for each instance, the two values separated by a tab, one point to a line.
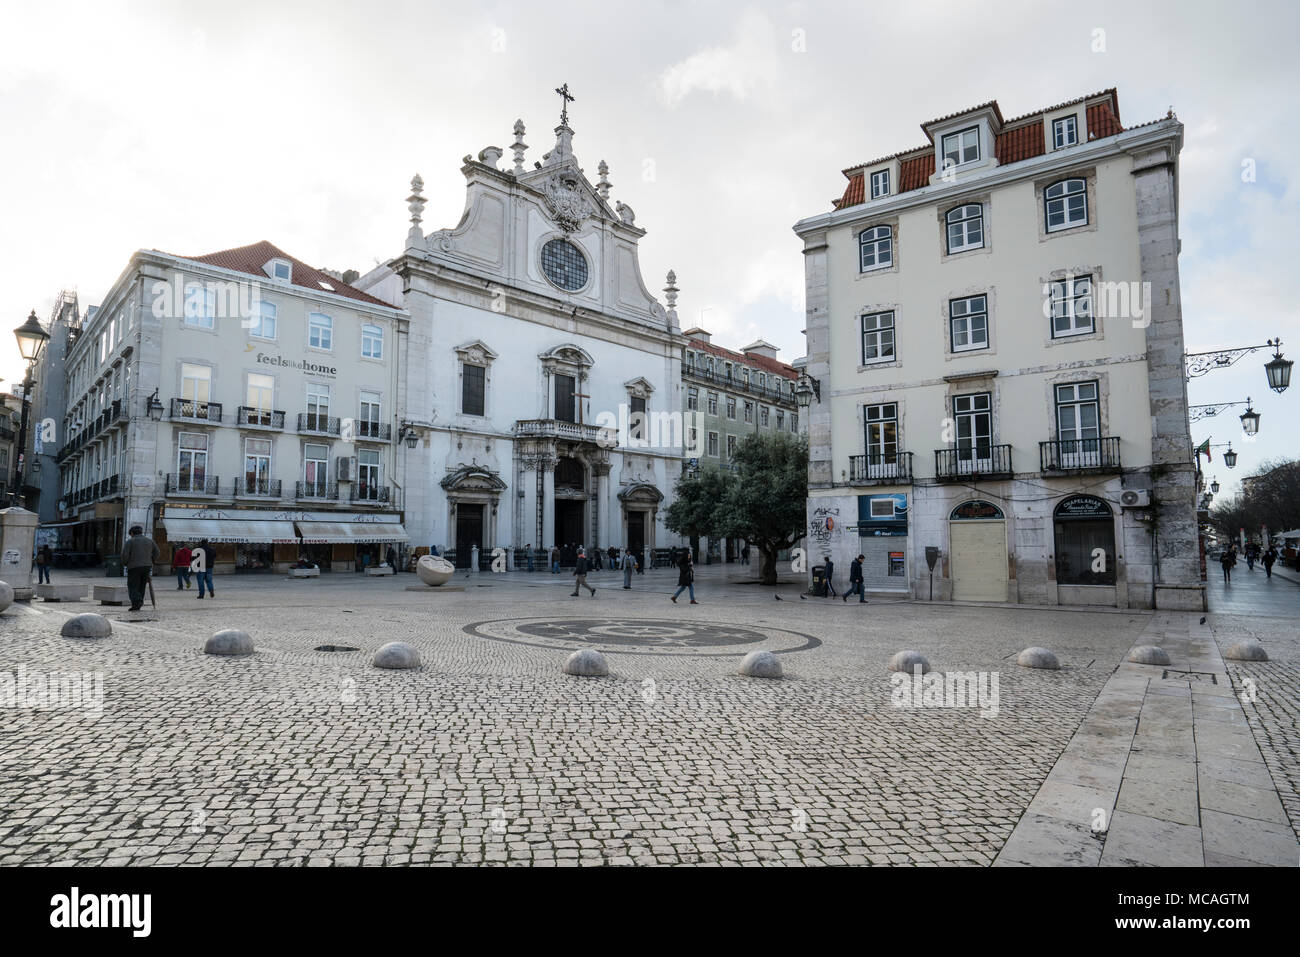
1080	456
380	495
119	412
317	424
973	462
881	468
783	396
574	431
190	484
257	488
373	431
252	418
316	491
195	411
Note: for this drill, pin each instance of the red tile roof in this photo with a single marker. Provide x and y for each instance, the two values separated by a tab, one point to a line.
775	366
251	259
1016	141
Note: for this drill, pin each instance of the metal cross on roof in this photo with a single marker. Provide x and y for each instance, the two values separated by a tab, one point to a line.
567	98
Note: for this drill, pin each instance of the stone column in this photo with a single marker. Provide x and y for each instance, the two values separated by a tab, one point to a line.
817	323
600	532
17	540
546	465
1178	582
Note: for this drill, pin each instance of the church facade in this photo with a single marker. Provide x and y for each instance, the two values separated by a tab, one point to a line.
542	376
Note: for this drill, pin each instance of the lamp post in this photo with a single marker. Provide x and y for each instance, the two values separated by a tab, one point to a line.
1277	369
1214	486
1249	418
31	343
807	388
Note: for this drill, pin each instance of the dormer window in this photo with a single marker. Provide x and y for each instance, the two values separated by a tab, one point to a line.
961	147
880	183
281	270
1065	132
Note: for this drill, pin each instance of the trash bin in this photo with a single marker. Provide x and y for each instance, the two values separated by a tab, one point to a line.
819	581
113	566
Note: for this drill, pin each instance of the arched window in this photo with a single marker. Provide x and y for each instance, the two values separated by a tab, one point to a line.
1085	541
876	248
1067	204
965	227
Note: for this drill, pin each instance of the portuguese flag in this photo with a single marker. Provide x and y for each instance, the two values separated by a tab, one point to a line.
1205	447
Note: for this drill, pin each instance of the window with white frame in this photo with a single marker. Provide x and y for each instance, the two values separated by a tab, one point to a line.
780	420
200	308
257	466
1065	132
368	477
1066	204
763	415
876	248
965	227
880	183
794	421
713	444
315	469
372	341
1078	415
1072	306
731	447
263	321
261	391
692	399
320	331
318	407
749	412
191	462
961	147
368	423
196	388
881	433
280	269
877	337
969	318
713	403
731	406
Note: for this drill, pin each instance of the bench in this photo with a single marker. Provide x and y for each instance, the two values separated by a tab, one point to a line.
380	570
110	594
61	592
304	572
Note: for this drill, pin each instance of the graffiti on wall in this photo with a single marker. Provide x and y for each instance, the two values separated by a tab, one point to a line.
825	527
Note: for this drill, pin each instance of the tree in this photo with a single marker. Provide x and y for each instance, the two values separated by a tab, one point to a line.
694	512
767	504
1270	497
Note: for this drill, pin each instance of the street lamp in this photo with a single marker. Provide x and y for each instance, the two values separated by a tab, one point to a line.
1249	419
807	388
1214	486
31	343
1278	370
1230	457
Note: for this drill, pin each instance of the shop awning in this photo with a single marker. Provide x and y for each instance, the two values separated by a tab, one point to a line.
227	531
345	533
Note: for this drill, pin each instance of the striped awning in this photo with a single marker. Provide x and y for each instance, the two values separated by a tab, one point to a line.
344	533
229	531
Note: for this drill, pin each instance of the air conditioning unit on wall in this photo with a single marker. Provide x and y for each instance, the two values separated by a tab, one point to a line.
1135	498
346	469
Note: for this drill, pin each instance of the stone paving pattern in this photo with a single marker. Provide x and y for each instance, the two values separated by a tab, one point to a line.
490	754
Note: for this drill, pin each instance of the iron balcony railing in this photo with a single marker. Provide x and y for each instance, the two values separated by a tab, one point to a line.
317	424
257	488
193	409
380	494
881	467
191	484
972	461
1080	455
375	431
254	418
781	396
324	491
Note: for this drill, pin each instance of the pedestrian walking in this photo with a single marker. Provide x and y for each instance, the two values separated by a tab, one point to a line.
640	561
1228	559
44	561
829	572
201	565
555	560
744	554
528	550
629	565
181	566
580	568
855	580
685	577
390	557
138	556
1270	557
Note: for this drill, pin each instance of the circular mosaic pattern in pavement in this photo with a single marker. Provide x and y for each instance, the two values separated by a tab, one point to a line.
643	636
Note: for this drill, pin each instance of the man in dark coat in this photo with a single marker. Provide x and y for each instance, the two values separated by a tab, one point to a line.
138	557
580	575
855	580
829	572
685	577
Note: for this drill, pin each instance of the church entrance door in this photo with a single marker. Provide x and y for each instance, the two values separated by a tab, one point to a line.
469	532
569	523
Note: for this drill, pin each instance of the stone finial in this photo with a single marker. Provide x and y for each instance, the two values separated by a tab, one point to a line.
625	213
415	203
519	147
490	156
671	290
603	186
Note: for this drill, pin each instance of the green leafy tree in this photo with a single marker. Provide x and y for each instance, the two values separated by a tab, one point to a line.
767	504
694	512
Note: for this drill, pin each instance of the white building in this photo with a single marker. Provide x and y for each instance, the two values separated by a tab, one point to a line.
533	340
243	397
995	328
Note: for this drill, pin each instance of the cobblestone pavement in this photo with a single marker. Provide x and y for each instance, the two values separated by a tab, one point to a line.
490	754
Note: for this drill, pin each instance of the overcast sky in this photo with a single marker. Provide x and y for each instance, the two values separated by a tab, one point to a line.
192	127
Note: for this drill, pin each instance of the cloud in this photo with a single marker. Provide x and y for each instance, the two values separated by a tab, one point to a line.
739	70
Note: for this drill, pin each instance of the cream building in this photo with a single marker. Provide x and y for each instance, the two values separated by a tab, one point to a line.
243	397
994	327
544	376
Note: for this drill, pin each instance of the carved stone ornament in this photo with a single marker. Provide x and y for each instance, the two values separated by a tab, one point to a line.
566	199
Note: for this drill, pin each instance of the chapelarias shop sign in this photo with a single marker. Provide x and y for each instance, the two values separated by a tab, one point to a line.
281	362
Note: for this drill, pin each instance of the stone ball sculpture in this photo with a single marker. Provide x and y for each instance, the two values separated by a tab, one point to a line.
586	663
761	664
230	642
434	570
906	661
88	625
